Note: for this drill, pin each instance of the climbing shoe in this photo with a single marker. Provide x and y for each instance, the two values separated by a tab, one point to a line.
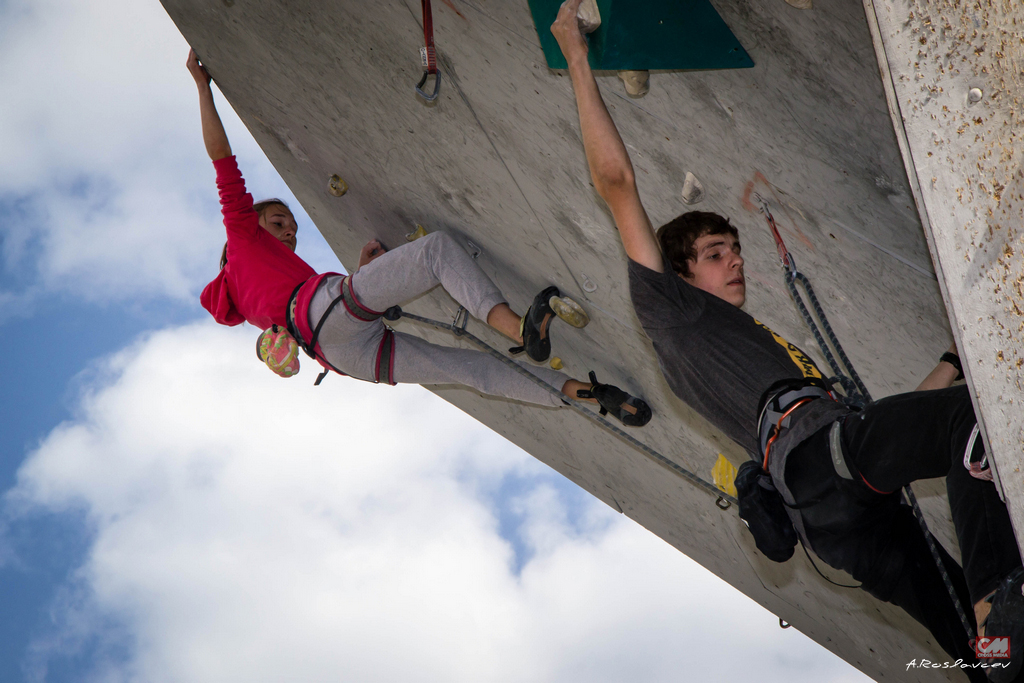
533	328
1006	620
614	400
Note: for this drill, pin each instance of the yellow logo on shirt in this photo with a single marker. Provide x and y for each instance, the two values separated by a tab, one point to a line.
802	360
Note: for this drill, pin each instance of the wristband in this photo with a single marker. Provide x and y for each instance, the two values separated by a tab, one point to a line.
954	360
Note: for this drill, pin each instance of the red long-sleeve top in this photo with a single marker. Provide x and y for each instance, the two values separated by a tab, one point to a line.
261	272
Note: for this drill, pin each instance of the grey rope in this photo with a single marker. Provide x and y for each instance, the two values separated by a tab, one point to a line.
854	387
852	384
458	328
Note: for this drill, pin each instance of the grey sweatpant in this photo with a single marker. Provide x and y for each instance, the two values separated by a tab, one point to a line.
401	274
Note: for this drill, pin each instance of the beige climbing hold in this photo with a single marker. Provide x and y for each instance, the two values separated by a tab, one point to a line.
588	16
724	475
569	311
693	190
419	232
636	82
337	186
799	4
556	363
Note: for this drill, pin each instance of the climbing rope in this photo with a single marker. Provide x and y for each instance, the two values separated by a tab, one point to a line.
852	383
458	328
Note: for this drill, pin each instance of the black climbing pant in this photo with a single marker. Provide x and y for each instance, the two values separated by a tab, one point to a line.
874	536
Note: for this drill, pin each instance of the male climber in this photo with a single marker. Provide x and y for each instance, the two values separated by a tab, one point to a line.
687	286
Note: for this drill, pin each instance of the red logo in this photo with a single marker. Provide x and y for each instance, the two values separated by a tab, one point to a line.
992	647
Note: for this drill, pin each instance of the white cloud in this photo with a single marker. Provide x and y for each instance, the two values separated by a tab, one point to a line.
249	528
103	153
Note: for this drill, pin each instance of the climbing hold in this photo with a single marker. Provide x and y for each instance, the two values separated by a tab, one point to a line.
799	4
556	363
974	95
588	16
693	190
419	232
636	82
337	186
474	251
724	475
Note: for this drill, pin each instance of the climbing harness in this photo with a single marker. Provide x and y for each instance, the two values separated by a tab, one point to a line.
384	364
856	391
779	402
428	56
458	328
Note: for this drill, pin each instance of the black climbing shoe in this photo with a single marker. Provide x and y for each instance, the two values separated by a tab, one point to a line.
534	326
614	400
1005	620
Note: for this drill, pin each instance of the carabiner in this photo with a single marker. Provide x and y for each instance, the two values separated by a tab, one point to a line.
437	86
460	321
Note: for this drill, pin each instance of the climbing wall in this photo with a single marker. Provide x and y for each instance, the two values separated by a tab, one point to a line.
497	160
954	78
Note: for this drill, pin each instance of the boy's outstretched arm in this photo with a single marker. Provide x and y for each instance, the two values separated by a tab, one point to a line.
214	137
609	162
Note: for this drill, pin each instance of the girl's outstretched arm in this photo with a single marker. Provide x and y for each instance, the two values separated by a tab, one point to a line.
216	140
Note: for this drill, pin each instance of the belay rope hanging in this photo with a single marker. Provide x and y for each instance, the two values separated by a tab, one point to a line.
856	392
458	327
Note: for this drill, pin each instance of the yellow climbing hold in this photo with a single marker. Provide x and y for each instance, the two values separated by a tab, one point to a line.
419	232
556	363
724	474
337	186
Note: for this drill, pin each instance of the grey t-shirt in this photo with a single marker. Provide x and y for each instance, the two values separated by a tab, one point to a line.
715	356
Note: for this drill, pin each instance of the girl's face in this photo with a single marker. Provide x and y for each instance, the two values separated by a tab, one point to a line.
280	223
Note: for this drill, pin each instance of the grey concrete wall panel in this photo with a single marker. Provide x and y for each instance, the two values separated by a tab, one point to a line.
954	75
328	88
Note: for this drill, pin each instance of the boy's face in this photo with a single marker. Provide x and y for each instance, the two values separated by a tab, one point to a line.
718	269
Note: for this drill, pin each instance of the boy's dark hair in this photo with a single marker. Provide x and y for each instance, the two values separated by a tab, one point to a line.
259	207
679	236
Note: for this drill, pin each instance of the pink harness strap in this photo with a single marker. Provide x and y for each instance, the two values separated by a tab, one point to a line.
298	312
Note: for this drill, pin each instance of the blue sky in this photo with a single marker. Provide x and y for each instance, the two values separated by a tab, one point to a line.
171	511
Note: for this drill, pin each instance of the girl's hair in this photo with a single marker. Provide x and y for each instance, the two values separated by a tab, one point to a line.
259	207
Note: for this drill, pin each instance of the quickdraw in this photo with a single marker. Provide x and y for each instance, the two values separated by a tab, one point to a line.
429	56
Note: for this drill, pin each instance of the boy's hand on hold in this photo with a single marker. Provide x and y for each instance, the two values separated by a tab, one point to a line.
566	31
370	251
198	71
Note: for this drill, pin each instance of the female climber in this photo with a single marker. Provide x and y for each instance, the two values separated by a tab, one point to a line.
337	319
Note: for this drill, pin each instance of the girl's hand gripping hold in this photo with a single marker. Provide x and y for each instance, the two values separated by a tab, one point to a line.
372	250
